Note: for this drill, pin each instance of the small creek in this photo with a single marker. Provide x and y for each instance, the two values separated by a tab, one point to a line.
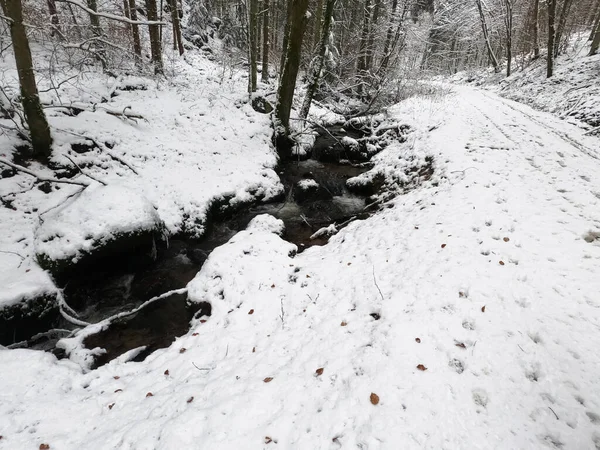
106	293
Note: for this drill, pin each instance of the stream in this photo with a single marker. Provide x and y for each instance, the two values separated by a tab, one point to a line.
104	293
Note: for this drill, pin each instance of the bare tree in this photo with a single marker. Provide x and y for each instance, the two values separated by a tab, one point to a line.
551	37
39	130
155	43
252	45
508	23
486	37
266	45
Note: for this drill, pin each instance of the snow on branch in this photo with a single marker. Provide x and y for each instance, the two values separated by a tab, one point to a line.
112	16
39	176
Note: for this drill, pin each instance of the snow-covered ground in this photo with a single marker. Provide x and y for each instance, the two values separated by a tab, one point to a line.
466	315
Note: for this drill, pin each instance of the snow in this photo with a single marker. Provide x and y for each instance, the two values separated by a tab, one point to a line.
308	184
97	216
486	280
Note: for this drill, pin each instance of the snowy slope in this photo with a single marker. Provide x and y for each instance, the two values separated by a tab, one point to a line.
486	281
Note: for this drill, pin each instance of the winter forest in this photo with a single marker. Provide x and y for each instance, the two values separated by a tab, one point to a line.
299	224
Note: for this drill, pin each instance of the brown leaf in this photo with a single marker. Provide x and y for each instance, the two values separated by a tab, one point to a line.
253	349
421	367
461	294
251	312
501	263
167	372
374	398
319	371
307	276
483	308
116	377
268	379
273	286
190	400
182	350
44	446
268	440
118	390
343	323
418	340
461	345
506	239
349	264
202	320
195	334
111	406
149	394
443	245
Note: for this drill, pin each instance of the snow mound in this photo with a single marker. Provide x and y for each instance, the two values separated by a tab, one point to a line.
99	215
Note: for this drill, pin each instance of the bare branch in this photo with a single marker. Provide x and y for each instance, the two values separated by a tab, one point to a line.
112	16
39	176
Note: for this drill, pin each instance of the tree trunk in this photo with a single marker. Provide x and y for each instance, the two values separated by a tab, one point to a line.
53	17
318	22
154	30
135	31
508	21
313	83
364	39
536	29
177	41
266	35
551	37
596	40
388	38
562	22
94	20
39	130
286	37
252	45
285	94
371	42
486	36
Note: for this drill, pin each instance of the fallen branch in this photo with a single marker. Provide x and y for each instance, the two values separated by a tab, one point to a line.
121	113
39	176
83	173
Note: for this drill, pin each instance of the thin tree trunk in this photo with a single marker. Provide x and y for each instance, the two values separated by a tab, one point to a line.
252	45
371	41
266	34
285	94
53	17
536	29
562	22
508	21
313	83
596	40
39	129
551	37
94	19
318	22
135	31
286	37
154	30
486	36
177	41
388	37
364	38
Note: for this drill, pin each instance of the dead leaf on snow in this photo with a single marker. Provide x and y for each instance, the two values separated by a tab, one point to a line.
374	398
418	340
343	324
251	312
421	367
506	239
111	406
44	446
268	379
461	345
182	350
443	245
268	440
149	394
483	308
319	371
190	400
167	372
501	263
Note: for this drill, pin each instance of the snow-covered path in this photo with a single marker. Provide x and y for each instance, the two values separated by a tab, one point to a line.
483	277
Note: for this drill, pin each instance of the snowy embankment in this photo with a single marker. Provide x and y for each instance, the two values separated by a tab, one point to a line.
465	315
199	143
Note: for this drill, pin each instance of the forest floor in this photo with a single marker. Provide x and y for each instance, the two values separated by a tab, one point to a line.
465	315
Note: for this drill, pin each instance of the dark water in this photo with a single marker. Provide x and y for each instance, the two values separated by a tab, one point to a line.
103	294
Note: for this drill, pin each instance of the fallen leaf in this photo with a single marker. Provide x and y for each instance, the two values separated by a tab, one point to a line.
461	345
203	321
272	286
421	367
251	311
190	400
111	406
149	394
307	276
167	372
501	263
461	294
374	398
343	324
319	371
506	239
418	340
349	264
118	390
196	334
116	377
44	446
253	349
443	245
268	379
483	309
268	440
182	350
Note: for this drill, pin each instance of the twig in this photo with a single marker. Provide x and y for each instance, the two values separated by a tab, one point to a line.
555	415
282	315
83	173
16	254
376	285
39	176
114	17
200	368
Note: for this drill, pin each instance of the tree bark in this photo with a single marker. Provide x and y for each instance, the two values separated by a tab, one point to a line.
39	130
562	22
596	40
285	94
53	17
252	45
508	21
266	36
318	22
551	37
94	19
286	36
313	83
371	41
536	29
154	30
486	36
135	31
177	41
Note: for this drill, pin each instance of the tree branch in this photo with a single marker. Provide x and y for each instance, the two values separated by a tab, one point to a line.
39	176
112	16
